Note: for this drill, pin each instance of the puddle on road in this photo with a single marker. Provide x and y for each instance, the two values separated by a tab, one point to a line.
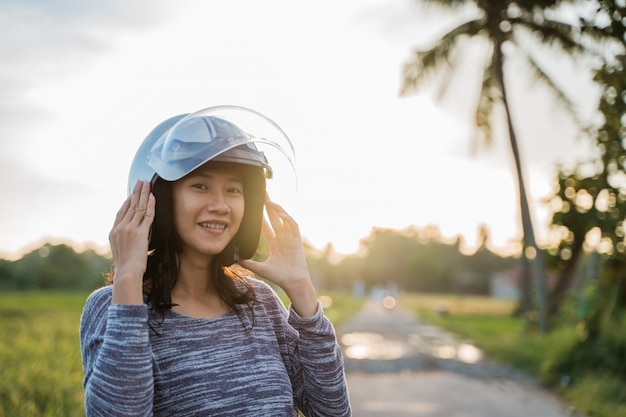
367	345
463	352
445	348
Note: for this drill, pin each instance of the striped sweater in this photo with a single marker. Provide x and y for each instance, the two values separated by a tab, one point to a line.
271	363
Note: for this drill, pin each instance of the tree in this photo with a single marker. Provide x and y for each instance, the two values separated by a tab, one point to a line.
54	267
416	260
6	275
592	197
508	28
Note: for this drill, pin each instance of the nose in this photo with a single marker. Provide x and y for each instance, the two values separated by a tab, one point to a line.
217	203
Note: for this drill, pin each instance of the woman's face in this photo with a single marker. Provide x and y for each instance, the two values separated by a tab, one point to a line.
208	206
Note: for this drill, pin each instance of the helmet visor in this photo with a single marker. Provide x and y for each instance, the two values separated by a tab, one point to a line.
206	134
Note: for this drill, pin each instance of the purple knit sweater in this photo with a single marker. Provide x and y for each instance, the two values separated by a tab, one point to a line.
270	363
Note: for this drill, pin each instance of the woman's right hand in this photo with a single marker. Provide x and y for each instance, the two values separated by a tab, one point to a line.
129	244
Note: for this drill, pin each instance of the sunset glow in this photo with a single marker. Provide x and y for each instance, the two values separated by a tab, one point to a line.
85	88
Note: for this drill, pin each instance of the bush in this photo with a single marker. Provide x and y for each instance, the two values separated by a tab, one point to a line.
604	355
599	395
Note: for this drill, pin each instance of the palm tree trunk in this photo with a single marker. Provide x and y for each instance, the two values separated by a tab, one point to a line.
557	294
525	306
527	226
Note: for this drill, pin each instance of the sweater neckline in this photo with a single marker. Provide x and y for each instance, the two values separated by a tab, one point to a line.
180	316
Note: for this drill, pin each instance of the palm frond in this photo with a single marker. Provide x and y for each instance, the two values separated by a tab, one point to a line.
470	28
425	65
489	96
446	4
453	62
542	76
603	39
551	32
614	30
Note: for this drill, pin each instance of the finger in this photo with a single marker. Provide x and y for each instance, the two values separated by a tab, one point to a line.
150	210
134	198
282	218
274	215
122	212
290	223
266	230
142	202
275	206
119	217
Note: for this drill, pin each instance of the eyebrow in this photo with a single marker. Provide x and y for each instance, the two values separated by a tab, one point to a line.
208	175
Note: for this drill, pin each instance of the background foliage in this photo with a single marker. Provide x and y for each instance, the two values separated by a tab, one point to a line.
411	259
54	267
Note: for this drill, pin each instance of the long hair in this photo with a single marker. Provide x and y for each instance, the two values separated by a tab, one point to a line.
163	266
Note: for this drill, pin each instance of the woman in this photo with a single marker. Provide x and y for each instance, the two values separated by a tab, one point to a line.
182	331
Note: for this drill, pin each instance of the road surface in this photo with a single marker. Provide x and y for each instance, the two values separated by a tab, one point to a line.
397	366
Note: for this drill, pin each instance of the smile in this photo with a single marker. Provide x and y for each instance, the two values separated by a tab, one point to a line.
216	226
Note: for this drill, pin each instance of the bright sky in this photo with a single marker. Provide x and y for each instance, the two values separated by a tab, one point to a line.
83	82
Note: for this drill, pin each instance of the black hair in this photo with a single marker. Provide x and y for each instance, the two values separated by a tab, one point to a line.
163	264
165	245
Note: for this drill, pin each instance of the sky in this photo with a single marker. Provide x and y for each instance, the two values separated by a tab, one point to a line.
83	82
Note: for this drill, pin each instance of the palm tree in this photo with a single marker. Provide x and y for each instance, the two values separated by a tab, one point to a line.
509	28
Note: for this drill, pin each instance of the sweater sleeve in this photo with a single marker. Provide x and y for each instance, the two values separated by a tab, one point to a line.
117	358
319	380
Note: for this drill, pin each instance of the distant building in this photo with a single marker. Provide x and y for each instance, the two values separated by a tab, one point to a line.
505	284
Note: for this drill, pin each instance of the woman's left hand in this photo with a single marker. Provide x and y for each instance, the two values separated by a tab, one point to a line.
286	264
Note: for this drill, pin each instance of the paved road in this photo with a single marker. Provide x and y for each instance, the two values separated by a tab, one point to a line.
397	366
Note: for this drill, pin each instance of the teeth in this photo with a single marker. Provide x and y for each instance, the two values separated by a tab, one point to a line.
213	226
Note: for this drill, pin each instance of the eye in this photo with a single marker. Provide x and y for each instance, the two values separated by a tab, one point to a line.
199	186
235	190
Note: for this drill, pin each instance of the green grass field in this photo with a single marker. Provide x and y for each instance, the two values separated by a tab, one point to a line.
41	371
40	356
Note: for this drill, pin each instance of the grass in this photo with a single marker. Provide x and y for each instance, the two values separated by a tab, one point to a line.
338	306
599	395
41	370
40	356
489	324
